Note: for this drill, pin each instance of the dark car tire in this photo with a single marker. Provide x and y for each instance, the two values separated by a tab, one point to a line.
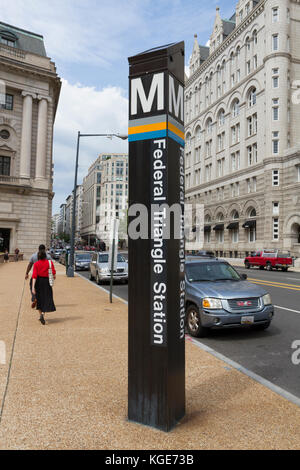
285	270
265	326
247	265
193	323
269	267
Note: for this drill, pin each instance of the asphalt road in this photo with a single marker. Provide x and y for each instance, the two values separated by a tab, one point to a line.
267	353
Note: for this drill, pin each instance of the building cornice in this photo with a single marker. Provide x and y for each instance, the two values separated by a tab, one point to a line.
235	33
36	72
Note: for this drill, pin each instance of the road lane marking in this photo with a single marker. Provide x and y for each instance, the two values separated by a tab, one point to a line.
288	309
274	284
274	388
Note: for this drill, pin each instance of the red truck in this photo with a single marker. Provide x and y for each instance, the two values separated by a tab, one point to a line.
269	259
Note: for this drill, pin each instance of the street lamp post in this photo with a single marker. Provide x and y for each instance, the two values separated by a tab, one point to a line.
70	270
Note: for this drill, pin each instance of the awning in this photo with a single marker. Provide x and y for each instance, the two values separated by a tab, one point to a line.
207	228
233	226
219	227
250	224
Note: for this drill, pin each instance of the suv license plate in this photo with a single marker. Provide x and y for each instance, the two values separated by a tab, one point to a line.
247	320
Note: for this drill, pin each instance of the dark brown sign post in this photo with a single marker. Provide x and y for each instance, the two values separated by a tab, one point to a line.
156	258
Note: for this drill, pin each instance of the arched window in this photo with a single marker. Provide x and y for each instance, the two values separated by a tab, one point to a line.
252	213
235	215
235	108
219	228
254	37
207	219
221	117
252	97
247	44
188	140
209	126
198	134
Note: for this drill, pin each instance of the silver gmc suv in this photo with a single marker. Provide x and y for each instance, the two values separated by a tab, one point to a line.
218	297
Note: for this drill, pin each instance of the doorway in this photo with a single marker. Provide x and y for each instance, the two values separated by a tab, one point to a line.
4	239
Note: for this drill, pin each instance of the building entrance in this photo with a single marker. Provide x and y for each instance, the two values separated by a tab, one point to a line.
4	239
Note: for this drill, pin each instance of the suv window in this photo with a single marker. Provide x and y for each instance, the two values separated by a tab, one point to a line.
197	272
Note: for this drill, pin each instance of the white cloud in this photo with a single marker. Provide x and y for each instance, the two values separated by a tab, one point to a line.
89	111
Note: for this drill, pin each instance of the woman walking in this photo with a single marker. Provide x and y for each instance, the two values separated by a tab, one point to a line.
41	286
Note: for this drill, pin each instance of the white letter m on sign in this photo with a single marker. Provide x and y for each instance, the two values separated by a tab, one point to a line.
146	103
178	104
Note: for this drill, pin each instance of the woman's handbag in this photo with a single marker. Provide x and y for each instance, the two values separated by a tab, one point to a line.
51	277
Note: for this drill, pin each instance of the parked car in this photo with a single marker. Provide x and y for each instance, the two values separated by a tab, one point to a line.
56	253
269	259
217	296
82	260
101	271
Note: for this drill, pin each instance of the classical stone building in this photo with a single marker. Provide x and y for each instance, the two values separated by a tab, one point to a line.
29	94
243	129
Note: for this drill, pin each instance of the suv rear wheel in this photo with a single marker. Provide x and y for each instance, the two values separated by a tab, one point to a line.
247	265
193	323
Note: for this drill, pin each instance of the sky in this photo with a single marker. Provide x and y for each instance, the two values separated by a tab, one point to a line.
90	42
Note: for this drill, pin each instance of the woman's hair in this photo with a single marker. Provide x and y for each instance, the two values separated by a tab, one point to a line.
42	254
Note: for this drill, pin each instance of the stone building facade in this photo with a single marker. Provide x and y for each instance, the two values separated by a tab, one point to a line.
29	91
242	103
78	213
105	197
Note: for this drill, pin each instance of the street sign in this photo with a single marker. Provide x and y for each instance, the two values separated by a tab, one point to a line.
156	259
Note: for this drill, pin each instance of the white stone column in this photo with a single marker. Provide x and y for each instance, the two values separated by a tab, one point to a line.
25	159
41	146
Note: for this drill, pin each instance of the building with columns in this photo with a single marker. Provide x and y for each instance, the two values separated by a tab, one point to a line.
29	94
242	118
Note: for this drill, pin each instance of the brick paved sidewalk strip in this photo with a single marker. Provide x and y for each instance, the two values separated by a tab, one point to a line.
68	382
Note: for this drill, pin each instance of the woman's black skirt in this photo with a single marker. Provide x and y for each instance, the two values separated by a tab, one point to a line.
44	295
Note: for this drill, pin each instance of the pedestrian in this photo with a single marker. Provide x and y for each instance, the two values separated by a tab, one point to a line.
33	259
41	287
17	252
6	256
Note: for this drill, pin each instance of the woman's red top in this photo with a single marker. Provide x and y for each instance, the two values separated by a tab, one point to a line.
41	267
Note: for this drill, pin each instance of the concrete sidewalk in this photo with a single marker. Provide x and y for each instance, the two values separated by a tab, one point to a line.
67	385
